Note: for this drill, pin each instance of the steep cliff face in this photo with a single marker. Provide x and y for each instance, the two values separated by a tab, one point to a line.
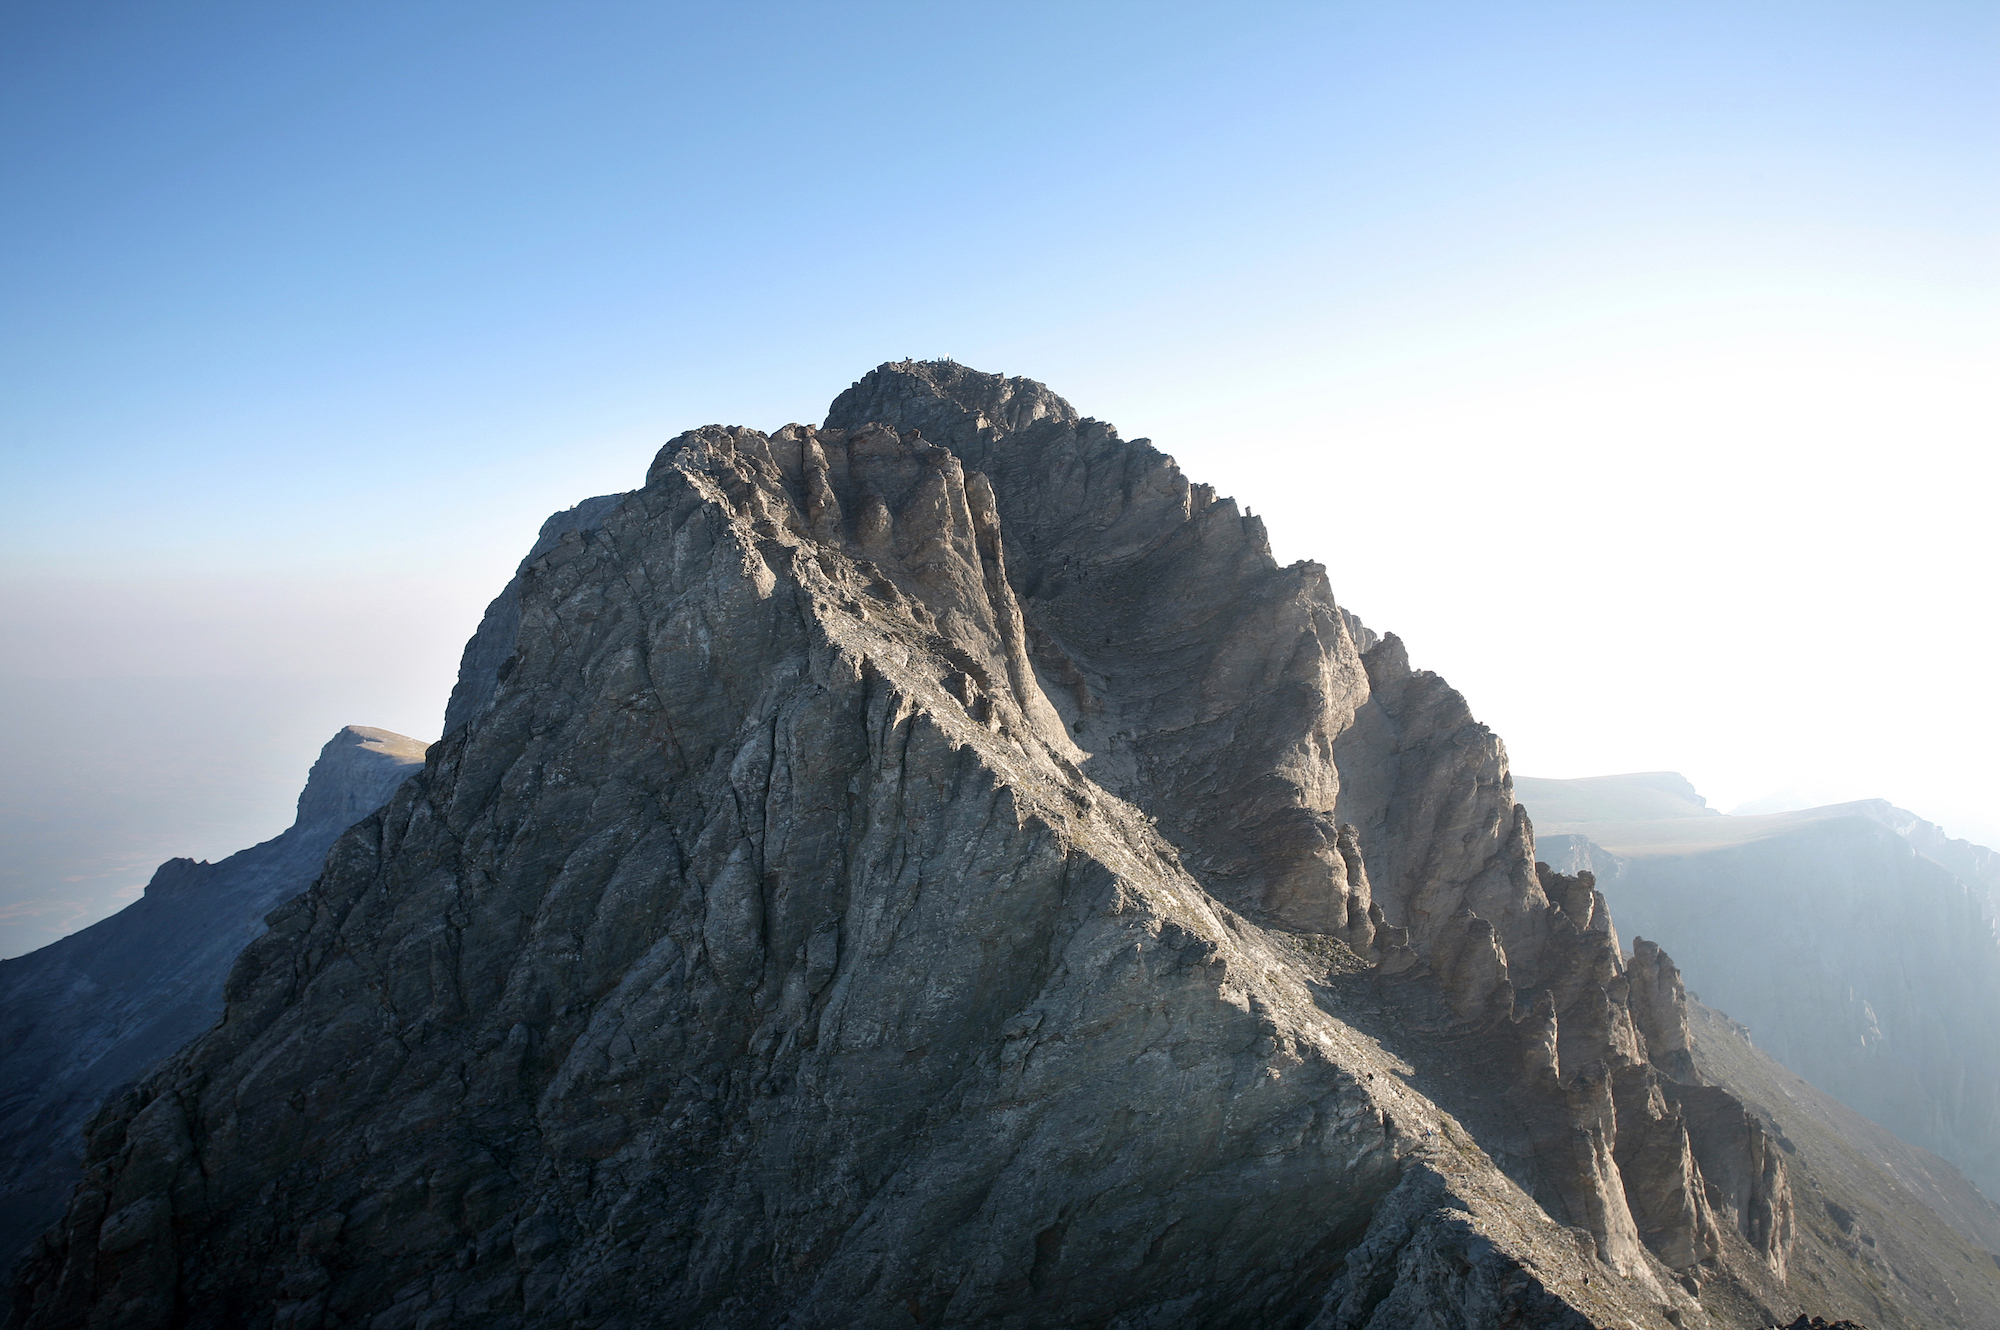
90	1013
933	869
1975	865
1857	959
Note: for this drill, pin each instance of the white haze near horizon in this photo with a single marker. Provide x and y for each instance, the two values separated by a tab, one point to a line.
1633	366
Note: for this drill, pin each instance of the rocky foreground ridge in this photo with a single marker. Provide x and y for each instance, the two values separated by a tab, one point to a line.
84	1016
937	869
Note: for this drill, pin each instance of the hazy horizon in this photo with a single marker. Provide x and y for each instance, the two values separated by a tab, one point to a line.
1630	364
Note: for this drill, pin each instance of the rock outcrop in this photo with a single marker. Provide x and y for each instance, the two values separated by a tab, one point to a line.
93	1012
1858	959
935	868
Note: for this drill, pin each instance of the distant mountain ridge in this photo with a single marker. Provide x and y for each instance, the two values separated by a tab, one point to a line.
1855	940
1639	796
92	1012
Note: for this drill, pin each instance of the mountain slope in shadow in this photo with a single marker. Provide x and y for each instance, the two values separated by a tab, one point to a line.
94	1011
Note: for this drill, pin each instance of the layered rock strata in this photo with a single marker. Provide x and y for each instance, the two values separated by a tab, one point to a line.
930	869
93	1012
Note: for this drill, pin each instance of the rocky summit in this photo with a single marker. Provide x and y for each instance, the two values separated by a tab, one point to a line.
937	869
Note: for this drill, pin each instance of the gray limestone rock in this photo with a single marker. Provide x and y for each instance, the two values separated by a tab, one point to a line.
1659	1008
932	869
492	645
85	1016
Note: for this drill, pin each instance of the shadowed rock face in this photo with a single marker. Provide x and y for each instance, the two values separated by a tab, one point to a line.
89	1014
932	869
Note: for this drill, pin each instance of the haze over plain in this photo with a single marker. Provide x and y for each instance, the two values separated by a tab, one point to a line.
1628	363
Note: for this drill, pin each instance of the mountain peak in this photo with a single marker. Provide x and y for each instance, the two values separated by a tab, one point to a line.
945	399
1638	796
355	772
934	868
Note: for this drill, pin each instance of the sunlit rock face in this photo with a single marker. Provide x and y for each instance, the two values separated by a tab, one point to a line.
91	1013
933	868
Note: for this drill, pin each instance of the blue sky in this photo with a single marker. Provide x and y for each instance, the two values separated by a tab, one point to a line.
1629	359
